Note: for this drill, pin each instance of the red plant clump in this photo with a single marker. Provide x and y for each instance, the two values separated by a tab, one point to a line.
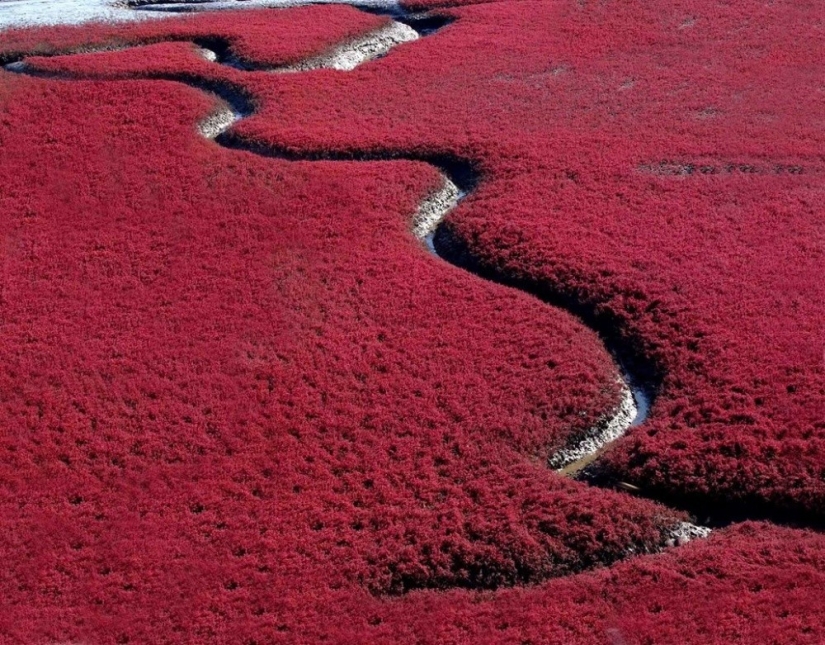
242	403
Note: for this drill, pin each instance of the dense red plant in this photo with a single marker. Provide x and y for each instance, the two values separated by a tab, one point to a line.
713	278
267	37
242	402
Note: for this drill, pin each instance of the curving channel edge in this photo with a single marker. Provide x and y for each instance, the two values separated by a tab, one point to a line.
457	182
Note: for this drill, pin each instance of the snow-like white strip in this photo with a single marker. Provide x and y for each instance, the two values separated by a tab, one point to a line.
218	122
207	54
434	208
684	532
350	55
34	13
606	430
31	13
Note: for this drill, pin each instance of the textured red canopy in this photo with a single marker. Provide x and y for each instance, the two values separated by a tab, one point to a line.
240	402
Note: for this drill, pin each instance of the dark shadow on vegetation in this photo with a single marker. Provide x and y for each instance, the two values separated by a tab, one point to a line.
640	369
714	511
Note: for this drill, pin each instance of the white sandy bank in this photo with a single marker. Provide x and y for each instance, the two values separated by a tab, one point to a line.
31	13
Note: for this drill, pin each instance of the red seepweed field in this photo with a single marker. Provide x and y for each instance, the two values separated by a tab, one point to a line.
242	403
